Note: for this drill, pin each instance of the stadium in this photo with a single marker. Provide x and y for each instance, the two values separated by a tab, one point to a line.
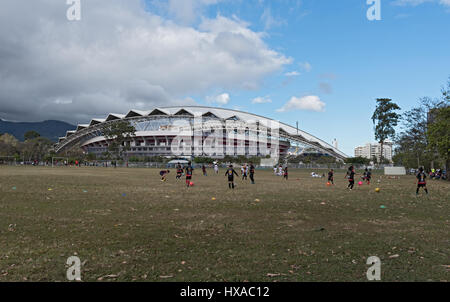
190	131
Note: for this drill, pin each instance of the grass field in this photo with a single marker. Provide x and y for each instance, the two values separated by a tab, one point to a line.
127	225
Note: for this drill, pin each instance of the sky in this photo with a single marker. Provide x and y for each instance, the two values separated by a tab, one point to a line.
321	63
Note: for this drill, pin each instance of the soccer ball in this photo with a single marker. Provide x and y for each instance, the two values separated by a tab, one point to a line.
360	183
377	190
191	184
328	184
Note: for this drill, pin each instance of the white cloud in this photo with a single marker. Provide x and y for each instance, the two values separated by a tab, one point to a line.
292	74
309	103
119	57
305	66
261	100
222	99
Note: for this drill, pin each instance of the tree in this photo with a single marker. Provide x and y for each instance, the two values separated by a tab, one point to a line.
31	135
385	119
439	128
439	134
117	134
413	138
358	160
36	148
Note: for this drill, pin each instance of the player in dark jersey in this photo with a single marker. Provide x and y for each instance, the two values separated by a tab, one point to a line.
204	170
351	177
179	171
331	176
230	173
364	177
252	173
369	176
163	174
285	173
189	172
421	181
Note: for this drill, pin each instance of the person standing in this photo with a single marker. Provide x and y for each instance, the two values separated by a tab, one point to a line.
285	173
216	168
421	181
179	171
204	170
252	173
244	172
230	173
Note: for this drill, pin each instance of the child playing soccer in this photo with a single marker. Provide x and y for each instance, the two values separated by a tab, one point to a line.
285	173
364	177
369	176
351	178
163	174
189	172
230	173
421	181
331	176
179	171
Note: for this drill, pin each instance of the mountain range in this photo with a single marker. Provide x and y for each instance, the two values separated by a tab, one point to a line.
52	130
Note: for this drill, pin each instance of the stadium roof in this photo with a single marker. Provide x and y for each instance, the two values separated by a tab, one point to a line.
220	113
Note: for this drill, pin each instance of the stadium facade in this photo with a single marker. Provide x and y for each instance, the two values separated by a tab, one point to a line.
190	131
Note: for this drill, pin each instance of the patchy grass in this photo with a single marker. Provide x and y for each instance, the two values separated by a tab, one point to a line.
127	225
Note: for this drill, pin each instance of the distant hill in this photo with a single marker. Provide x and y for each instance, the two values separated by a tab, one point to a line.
49	129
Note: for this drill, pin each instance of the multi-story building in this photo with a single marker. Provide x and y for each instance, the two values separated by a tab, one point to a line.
374	150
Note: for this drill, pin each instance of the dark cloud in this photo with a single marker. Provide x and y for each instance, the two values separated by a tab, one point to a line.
118	57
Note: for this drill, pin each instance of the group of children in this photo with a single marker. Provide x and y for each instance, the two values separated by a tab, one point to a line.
250	171
245	171
367	176
188	172
280	171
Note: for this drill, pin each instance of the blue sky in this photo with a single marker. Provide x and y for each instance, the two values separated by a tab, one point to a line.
319	62
404	56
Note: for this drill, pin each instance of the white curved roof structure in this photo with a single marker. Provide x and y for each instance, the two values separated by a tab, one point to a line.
85	132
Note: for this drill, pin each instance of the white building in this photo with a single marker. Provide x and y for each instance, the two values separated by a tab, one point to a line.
193	131
374	150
